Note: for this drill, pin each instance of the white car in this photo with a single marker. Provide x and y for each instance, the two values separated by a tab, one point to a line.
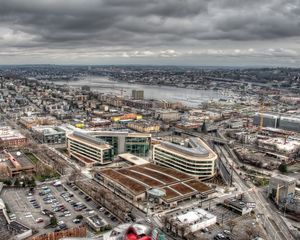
91	212
68	214
148	220
101	209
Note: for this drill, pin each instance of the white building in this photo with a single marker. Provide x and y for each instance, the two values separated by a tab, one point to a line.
190	221
194	158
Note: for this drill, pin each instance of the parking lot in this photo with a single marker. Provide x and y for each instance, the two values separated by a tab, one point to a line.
64	202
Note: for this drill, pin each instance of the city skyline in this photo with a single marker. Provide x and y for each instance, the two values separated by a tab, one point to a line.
203	33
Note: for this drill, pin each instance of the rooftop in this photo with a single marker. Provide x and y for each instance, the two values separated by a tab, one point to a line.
7	133
133	159
138	179
283	178
47	130
15	160
196	149
194	215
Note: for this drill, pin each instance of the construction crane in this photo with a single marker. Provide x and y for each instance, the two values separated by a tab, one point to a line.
261	112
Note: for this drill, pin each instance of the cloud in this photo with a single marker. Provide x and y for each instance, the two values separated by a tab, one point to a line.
149	28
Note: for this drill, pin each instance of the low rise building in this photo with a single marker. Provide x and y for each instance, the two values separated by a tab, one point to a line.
284	146
133	183
189	221
29	122
16	164
10	138
12	229
126	117
99	122
239	205
282	188
167	115
144	126
49	134
96	223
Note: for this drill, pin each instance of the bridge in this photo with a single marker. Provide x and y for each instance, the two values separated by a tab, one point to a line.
214	139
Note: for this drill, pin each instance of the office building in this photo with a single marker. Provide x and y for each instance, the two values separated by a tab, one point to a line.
289	123
100	147
125	141
269	120
89	150
49	134
194	158
137	94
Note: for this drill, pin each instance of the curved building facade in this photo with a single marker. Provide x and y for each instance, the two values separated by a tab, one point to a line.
196	158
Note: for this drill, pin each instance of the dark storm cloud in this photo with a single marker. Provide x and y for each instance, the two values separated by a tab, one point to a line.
147	27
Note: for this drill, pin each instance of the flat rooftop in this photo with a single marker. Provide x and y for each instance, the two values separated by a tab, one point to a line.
196	149
194	215
88	140
7	133
133	159
47	130
283	178
15	160
138	179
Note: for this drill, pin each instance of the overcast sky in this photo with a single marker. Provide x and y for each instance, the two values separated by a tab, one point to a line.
183	32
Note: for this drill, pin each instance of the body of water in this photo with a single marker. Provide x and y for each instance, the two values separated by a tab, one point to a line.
190	97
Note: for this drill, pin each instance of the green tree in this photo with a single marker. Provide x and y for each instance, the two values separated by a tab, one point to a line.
204	128
53	221
282	168
80	217
17	182
7	182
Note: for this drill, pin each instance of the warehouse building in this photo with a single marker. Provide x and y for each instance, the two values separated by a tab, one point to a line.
194	158
133	183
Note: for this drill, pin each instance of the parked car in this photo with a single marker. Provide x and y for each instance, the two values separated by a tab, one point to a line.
39	220
76	221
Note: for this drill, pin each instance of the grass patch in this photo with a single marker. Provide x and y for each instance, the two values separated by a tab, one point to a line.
32	157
